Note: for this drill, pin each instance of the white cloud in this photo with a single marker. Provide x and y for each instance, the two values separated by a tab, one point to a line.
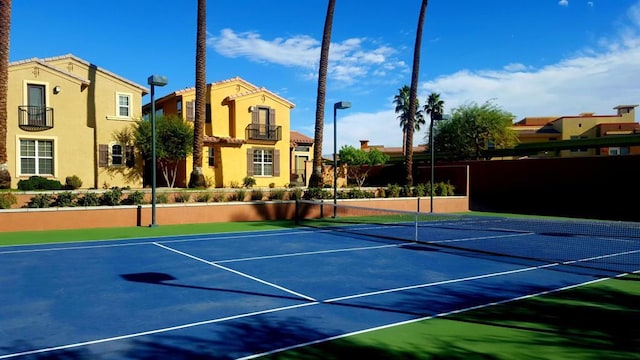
349	60
563	3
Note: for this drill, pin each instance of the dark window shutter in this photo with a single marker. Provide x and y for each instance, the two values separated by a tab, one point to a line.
276	162
191	111
103	155
249	162
255	116
272	116
130	156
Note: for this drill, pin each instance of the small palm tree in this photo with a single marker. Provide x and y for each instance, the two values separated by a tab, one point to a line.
402	107
413	95
197	179
434	108
316	178
5	21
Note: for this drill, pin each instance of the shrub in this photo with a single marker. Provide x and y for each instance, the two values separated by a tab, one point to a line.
134	198
65	199
296	194
241	195
276	194
359	194
88	199
204	197
40	201
217	197
317	193
7	199
393	190
257	195
249	181
272	185
234	184
162	198
381	192
232	197
420	190
5	179
39	183
111	197
182	197
73	182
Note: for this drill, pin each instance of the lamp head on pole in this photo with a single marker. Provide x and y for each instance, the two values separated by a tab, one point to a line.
342	105
157	80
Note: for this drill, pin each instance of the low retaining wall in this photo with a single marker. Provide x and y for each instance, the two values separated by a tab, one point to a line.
195	213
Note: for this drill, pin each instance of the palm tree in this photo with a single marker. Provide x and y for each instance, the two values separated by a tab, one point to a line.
413	101
434	108
316	178
402	107
5	26
197	176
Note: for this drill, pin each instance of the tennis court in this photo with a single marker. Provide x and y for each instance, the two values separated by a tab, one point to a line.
247	294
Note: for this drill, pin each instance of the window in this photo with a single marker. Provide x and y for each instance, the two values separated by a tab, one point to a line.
36	157
263	162
123	105
212	160
179	107
116	155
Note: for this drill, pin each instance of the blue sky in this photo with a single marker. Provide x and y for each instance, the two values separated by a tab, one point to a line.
530	57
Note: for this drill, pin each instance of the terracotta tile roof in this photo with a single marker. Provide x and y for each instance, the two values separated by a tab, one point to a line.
222	140
298	139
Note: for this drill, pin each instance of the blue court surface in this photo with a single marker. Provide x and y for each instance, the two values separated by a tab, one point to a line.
242	295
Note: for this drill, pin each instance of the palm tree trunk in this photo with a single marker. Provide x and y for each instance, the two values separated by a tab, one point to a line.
316	177
413	95
197	176
5	27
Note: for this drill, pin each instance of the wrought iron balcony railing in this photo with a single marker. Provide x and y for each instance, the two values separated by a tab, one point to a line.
263	132
35	118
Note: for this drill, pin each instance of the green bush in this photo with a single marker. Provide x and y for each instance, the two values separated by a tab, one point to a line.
134	198
73	182
296	194
40	201
393	190
420	190
217	197
257	195
7	199
277	194
241	195
359	194
111	197
39	183
5	179
204	197
65	199
318	194
182	197
88	199
249	181
162	198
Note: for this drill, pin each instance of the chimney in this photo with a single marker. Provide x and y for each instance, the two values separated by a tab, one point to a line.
364	144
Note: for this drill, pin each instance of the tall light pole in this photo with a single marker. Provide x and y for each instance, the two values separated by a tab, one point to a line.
339	105
434	118
154	80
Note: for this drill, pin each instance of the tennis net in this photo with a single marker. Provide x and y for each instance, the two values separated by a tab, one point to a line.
609	245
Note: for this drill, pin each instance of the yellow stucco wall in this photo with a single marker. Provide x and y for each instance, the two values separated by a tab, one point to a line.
231	102
84	116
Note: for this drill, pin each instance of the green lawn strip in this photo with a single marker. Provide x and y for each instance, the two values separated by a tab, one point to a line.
596	321
56	236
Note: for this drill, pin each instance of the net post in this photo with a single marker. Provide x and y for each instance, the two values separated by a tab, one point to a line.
321	209
415	239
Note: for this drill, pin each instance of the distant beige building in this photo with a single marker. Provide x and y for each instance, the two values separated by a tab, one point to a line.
63	113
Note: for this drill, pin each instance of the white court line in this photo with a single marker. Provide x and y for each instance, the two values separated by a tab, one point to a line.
311	253
151	332
212	321
236	272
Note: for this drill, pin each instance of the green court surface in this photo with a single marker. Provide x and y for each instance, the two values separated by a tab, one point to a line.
599	320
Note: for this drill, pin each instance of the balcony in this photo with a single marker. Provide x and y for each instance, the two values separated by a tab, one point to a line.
35	118
263	132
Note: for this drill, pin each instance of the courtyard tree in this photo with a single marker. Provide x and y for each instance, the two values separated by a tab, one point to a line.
174	143
473	128
401	100
197	179
358	162
5	26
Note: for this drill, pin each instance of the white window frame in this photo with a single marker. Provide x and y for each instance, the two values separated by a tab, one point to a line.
259	162
119	107
54	149
113	155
